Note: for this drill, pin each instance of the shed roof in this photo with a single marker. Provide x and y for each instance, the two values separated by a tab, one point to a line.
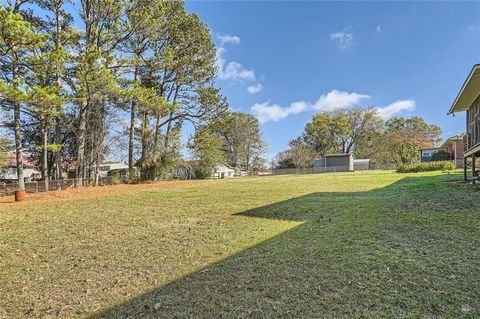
364	160
338	155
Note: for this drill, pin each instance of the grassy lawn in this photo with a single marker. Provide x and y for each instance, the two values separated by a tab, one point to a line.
368	245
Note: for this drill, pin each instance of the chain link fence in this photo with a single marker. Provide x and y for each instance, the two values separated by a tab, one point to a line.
8	189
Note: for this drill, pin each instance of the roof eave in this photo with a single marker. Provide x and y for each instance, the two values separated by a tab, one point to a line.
461	108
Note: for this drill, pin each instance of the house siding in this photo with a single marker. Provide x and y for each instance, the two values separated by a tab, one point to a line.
427	154
473	123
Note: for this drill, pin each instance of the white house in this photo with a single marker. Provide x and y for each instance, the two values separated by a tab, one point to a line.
223	171
109	169
9	173
187	170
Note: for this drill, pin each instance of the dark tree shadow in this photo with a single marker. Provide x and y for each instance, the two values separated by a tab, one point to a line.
380	253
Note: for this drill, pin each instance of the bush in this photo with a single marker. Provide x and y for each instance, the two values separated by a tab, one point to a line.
203	171
115	180
427	167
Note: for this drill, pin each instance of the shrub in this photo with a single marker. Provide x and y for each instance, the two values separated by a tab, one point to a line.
427	167
203	171
115	180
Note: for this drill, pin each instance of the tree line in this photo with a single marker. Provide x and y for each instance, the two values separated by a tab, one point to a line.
387	143
119	77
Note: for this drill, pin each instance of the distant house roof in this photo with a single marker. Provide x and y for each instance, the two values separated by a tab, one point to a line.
193	163
112	166
468	93
431	149
226	165
453	138
28	161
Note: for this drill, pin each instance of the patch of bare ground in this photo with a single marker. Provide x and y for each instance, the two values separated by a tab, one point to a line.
91	192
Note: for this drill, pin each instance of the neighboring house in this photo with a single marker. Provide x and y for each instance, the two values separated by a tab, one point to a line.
240	172
223	171
9	173
113	169
187	171
454	146
468	100
426	154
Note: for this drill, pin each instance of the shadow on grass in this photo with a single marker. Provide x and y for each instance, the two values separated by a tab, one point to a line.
381	253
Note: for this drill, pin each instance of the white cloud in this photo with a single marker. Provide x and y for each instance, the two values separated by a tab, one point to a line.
232	70
398	106
273	112
327	102
255	88
379	29
332	100
232	39
337	99
344	39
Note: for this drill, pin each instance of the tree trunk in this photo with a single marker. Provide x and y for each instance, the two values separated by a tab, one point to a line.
58	141
156	138
58	124
97	169
79	169
18	147
167	132
132	129
144	146
45	156
16	128
131	137
100	138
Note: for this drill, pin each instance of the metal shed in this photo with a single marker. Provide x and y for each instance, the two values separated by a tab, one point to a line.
361	164
334	163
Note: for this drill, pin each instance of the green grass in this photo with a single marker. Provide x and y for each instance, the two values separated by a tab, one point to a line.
345	245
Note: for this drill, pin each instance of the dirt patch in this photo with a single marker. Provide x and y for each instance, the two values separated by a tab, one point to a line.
90	192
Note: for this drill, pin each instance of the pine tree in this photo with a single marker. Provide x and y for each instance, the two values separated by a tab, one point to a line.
19	42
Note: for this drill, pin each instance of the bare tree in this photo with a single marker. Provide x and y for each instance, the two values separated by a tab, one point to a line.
302	155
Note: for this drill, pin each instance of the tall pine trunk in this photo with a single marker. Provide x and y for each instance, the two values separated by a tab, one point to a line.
131	135
80	165
45	155
156	138
16	128
143	171
58	122
58	141
18	147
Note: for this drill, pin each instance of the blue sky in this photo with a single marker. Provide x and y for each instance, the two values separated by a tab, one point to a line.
285	61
